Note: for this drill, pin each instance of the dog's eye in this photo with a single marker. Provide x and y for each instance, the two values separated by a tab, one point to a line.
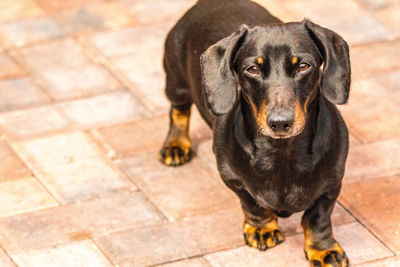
253	70
303	67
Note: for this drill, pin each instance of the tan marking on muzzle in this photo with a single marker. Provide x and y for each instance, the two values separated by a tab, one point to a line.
299	117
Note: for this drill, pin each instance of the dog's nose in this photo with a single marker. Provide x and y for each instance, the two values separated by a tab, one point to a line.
280	122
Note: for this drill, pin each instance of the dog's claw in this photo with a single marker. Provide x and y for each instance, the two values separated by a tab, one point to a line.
175	155
264	237
333	257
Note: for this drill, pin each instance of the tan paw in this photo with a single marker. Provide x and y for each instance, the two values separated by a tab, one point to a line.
175	155
264	237
333	257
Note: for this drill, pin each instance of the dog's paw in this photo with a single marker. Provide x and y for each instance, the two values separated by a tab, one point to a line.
175	155
334	257
264	237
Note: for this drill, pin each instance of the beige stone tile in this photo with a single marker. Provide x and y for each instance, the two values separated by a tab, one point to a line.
83	253
290	253
374	5
77	221
24	32
102	110
389	15
131	139
179	192
122	42
23	195
11	167
372	113
372	161
337	16
148	135
5	261
173	241
389	262
70	167
9	68
145	71
18	9
291	225
391	82
20	93
373	203
276	8
95	17
158	11
353	141
59	6
66	75
22	123
379	56
195	262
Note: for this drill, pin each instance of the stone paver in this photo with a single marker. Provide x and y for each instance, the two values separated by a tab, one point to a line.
373	161
70	167
11	167
150	12
145	71
22	196
390	262
18	9
27	122
77	221
367	120
364	27
95	17
379	56
103	110
20	93
373	202
195	262
9	68
290	253
179	192
173	241
25	32
122	140
123	42
83	253
66	75
388	14
83	115
5	260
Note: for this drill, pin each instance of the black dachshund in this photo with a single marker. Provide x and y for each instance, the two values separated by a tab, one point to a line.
268	90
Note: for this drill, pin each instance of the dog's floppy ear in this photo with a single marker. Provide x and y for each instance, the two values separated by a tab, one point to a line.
335	81
217	73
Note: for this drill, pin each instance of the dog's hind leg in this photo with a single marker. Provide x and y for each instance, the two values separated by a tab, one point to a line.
177	147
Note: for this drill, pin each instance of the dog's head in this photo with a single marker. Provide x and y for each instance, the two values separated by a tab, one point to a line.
277	69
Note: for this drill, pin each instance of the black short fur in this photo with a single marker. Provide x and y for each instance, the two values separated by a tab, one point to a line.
212	59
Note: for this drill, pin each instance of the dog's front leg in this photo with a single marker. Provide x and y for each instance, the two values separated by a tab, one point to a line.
320	247
260	227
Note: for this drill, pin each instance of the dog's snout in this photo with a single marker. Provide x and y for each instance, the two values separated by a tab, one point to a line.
279	122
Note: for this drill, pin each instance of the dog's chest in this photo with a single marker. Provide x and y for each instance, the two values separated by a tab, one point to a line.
282	193
283	181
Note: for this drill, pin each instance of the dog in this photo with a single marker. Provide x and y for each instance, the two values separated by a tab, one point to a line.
269	91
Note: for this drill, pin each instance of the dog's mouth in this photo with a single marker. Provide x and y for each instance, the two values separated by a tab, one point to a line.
296	130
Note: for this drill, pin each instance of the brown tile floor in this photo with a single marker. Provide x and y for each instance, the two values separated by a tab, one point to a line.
83	114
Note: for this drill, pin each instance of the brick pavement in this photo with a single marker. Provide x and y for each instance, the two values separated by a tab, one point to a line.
83	114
